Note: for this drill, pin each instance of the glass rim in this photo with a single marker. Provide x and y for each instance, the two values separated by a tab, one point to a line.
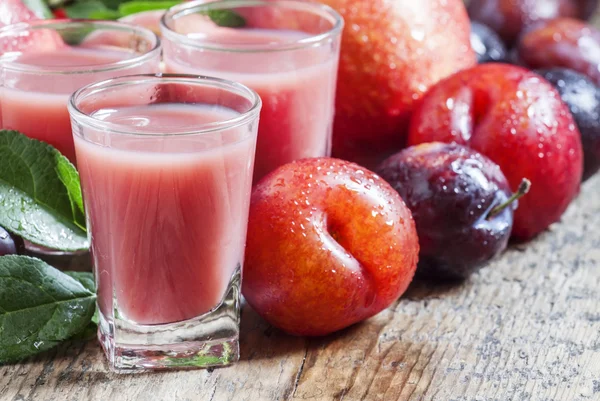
89	69
187	8
94	88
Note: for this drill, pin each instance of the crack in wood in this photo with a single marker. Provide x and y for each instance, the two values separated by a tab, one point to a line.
297	379
377	370
374	343
411	370
212	396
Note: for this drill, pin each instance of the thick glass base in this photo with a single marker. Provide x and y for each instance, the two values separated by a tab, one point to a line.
205	341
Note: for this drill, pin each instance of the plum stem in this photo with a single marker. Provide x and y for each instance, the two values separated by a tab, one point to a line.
524	187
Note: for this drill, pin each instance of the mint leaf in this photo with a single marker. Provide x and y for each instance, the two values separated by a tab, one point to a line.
39	8
39	307
226	18
132	7
40	194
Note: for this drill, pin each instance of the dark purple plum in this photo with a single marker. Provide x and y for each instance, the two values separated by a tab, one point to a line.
487	44
582	96
461	203
8	246
561	42
509	17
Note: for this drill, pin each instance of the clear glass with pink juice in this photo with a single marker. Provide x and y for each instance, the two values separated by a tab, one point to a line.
166	171
43	62
286	50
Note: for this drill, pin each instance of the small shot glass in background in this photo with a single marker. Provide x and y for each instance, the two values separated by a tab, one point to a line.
52	59
286	50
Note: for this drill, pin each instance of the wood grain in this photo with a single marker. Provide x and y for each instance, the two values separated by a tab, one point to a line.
525	328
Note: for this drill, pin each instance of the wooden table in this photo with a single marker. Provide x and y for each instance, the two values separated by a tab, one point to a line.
525	328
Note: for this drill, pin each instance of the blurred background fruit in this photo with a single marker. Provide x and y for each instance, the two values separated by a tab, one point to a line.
487	44
7	243
562	42
10	244
509	17
583	98
392	52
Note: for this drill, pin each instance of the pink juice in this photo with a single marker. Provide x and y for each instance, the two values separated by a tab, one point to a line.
168	215
297	89
36	103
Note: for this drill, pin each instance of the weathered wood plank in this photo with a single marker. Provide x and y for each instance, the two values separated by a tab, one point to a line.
525	328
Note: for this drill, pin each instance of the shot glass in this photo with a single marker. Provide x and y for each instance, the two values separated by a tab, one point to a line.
44	62
166	172
286	50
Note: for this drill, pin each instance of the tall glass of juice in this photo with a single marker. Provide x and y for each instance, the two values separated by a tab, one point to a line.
286	50
166	171
43	62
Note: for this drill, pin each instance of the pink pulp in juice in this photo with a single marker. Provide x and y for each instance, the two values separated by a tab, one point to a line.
297	91
168	215
36	105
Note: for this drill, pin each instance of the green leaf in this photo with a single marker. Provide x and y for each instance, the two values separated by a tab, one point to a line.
226	18
85	278
74	35
85	9
39	7
132	7
88	333
112	4
39	307
40	194
105	15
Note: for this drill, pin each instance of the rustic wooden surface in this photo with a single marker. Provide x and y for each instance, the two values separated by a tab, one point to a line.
525	328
